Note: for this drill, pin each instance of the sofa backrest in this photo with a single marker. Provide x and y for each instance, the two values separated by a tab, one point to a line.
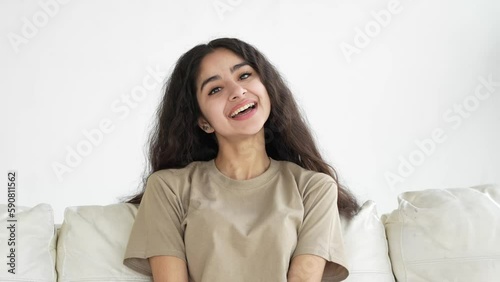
446	234
434	235
28	244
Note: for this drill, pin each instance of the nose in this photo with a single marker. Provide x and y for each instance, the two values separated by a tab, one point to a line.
237	92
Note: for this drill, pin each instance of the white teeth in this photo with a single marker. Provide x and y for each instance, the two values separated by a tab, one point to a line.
242	109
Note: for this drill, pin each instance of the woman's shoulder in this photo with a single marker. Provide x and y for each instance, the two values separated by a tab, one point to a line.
169	175
302	175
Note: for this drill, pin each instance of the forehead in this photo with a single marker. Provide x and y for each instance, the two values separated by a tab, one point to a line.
217	61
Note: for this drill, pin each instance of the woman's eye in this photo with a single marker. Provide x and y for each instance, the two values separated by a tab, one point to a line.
245	75
215	90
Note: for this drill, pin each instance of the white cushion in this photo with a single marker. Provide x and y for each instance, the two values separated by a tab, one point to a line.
35	242
446	235
366	247
92	242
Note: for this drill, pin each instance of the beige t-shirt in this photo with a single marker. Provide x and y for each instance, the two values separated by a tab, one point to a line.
238	230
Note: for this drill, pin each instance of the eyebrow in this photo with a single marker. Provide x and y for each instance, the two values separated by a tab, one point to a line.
215	77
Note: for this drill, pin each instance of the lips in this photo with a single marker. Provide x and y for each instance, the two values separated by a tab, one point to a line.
242	104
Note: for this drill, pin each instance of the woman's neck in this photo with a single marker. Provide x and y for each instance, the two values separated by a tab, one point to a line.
244	159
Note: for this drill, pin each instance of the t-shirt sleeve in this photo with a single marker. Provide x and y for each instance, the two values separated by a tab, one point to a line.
320	232
157	227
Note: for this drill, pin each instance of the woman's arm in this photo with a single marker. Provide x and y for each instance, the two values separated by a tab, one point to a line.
168	269
306	268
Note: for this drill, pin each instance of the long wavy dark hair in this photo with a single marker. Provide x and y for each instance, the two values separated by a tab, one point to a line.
176	139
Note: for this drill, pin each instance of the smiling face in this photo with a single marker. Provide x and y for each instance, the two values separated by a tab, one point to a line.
231	96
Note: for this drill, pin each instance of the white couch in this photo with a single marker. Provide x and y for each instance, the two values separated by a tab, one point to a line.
434	235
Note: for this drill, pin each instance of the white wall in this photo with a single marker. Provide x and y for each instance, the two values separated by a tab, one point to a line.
68	67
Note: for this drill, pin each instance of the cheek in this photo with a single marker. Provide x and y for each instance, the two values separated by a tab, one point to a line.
257	87
264	94
211	110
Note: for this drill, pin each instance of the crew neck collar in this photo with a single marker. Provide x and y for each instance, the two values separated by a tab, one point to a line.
255	182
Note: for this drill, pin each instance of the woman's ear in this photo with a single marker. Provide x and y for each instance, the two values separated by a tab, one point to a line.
204	125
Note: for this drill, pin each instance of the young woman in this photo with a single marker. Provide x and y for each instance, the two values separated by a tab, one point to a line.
237	189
